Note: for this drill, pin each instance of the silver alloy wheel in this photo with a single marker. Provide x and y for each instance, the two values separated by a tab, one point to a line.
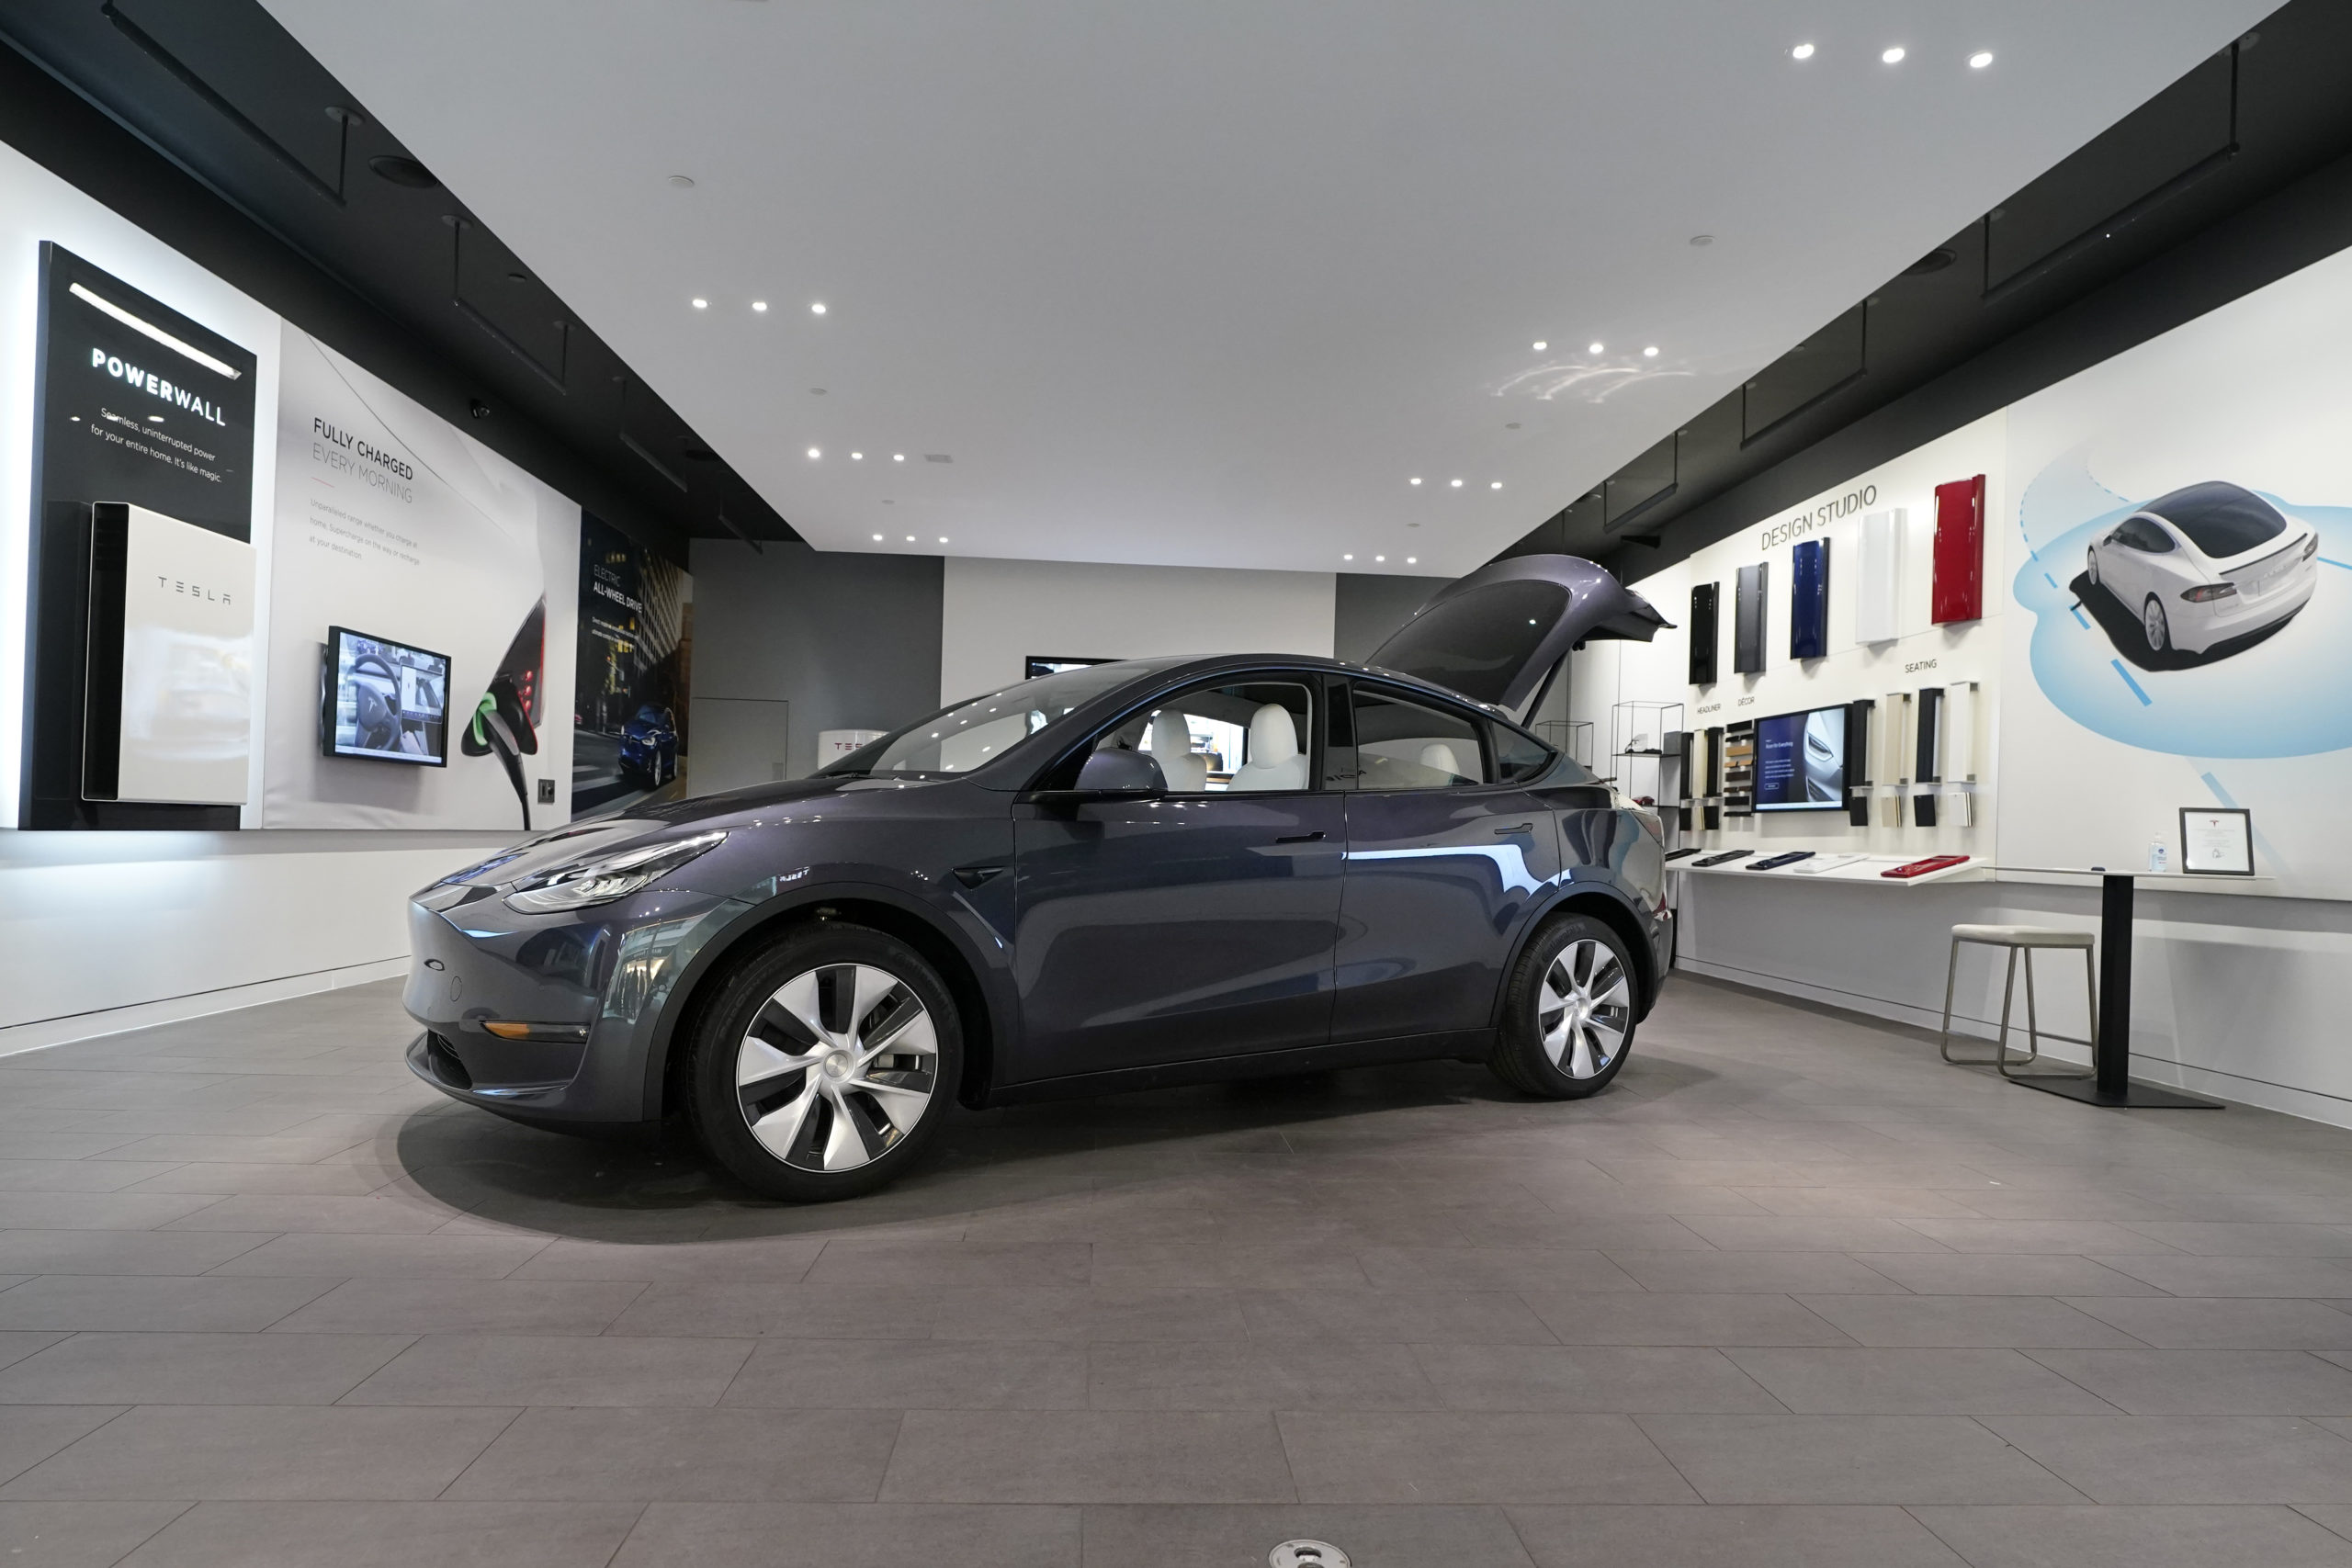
2152	621
1586	1008
839	1064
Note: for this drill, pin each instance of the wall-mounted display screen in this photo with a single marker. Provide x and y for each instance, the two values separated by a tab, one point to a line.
1801	760
384	701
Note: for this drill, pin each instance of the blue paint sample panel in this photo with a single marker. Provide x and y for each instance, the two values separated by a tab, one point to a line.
1809	600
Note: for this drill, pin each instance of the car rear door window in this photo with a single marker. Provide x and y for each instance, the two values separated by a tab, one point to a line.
1388	741
1519	757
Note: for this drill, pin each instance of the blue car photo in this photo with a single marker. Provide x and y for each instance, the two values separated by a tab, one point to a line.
649	749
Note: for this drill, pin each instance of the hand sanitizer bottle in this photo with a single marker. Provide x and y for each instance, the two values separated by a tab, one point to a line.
2159	856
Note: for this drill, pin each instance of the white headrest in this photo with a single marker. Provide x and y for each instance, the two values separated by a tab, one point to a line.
1439	755
1171	735
1273	737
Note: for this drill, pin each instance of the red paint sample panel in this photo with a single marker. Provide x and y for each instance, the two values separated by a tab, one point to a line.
1957	593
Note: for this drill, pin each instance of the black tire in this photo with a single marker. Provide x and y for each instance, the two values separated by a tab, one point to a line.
837	1107
1555	1051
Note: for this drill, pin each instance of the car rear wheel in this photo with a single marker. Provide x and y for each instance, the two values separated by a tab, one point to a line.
824	1067
2153	622
1568	1014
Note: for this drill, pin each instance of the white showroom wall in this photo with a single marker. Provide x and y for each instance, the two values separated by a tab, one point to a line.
996	613
102	932
2089	747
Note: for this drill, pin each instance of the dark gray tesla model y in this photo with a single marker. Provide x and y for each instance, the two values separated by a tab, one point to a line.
1121	876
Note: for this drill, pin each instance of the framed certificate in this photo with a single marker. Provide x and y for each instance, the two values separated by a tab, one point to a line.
2217	842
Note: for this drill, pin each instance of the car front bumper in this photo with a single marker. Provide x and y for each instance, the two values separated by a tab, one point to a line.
591	991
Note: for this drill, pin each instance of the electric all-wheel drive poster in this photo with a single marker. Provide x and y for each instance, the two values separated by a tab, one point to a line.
635	657
420	616
2182	534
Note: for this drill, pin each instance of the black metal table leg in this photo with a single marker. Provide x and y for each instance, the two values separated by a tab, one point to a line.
2112	1052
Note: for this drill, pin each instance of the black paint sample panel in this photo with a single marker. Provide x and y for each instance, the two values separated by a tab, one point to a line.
135	404
1747	621
1705	617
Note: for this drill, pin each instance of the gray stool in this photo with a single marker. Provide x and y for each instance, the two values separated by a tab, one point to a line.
2018	940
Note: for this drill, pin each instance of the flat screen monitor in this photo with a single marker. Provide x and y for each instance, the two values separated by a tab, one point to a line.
384	701
1801	760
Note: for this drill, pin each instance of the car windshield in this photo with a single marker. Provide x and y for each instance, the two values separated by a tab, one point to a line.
986	728
2220	519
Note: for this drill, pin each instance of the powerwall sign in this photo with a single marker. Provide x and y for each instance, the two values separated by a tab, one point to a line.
136	405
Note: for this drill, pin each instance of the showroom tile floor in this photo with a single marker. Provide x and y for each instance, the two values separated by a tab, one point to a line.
1793	1292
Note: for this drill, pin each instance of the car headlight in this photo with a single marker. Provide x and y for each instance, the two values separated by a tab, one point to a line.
578	884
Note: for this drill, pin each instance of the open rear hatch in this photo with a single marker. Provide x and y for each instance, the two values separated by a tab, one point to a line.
1498	635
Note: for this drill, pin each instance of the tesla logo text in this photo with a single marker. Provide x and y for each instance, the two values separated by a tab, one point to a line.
1821	516
193	589
156	386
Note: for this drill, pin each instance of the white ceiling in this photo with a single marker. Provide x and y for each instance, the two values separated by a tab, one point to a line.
1209	281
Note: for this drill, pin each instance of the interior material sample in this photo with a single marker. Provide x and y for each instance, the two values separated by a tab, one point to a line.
1809	600
1878	582
1747	621
1773	863
1958	590
1921	867
1705	612
1725	858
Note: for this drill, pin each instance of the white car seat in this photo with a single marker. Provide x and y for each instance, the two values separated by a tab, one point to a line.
1439	755
1275	762
1172	748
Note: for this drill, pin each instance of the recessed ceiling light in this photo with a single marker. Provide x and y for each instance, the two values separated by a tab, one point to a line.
1802	51
1412	560
943	539
1414	480
1457	484
759	304
817	308
816	452
1380	558
877	538
1347	557
910	538
683	182
898	456
1592	349
702	304
1497	485
857	457
1893	56
1980	60
1541	345
1650	353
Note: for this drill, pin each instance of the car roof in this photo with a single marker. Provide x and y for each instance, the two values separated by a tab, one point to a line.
2193	501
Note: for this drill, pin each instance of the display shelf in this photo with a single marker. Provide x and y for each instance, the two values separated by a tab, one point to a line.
1864	872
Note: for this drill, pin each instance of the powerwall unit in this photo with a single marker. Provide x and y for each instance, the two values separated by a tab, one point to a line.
168	717
1747	621
1705	617
1958	592
1809	600
1878	596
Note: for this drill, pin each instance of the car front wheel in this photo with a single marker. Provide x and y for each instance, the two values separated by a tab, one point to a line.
1568	1014
824	1067
2090	567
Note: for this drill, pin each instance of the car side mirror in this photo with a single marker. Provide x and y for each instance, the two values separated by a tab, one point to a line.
1121	774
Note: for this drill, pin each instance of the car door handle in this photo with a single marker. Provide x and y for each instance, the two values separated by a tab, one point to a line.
1514	827
1314	838
973	875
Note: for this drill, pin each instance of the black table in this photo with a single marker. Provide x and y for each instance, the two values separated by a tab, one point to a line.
2111	1083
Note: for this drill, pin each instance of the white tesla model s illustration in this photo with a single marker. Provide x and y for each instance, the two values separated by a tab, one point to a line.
2206	565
